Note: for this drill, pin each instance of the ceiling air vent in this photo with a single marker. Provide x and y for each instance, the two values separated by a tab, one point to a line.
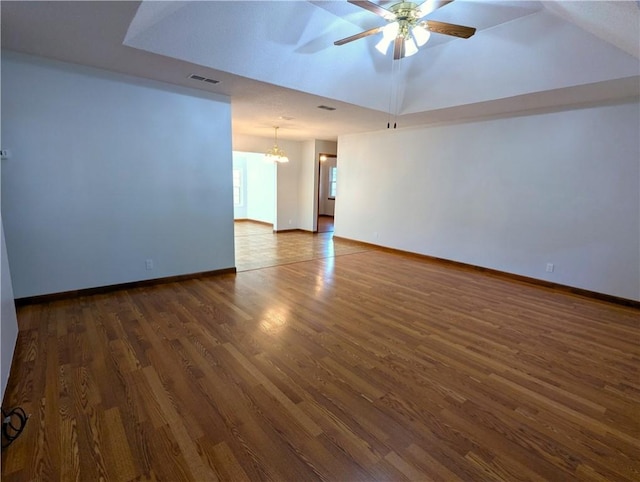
326	107
203	79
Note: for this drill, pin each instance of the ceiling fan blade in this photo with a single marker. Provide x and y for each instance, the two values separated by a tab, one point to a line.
430	5
448	28
372	7
398	48
366	33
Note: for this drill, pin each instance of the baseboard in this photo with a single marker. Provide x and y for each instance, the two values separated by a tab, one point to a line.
502	274
247	220
268	224
31	300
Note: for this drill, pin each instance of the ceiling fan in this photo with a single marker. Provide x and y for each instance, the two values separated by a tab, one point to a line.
406	29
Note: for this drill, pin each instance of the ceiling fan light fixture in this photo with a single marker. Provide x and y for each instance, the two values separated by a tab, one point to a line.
389	33
420	34
383	45
275	153
410	47
405	27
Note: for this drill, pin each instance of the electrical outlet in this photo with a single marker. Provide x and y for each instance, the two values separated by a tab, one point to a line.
550	268
5	154
149	264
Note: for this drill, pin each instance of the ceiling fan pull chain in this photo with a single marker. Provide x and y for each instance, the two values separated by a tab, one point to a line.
392	77
397	93
393	94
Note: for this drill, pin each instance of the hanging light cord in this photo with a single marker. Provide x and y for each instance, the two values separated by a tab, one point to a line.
394	93
13	423
398	77
391	92
399	92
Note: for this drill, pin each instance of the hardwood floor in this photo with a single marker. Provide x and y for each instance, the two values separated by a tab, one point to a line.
366	366
325	224
257	246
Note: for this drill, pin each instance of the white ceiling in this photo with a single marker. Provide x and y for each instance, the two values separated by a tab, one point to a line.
277	61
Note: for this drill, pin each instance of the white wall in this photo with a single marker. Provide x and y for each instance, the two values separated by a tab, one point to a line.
108	171
8	320
259	186
240	163
287	177
308	188
287	180
509	194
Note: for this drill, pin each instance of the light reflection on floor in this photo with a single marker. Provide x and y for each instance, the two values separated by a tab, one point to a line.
274	319
325	279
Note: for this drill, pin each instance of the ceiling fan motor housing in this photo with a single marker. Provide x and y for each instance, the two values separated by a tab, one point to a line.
407	15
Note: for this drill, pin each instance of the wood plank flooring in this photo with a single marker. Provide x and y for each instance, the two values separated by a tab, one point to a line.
325	224
257	246
367	366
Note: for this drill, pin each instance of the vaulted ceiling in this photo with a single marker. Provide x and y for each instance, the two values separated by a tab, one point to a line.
278	63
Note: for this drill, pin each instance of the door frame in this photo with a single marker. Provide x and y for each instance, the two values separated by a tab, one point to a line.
322	156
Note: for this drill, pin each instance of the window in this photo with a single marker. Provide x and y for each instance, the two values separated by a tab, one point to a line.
237	187
333	171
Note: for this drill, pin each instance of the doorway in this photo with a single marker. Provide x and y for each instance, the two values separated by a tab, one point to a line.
254	191
327	188
254	206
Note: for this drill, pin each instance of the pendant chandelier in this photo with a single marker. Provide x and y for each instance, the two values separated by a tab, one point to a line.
275	153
